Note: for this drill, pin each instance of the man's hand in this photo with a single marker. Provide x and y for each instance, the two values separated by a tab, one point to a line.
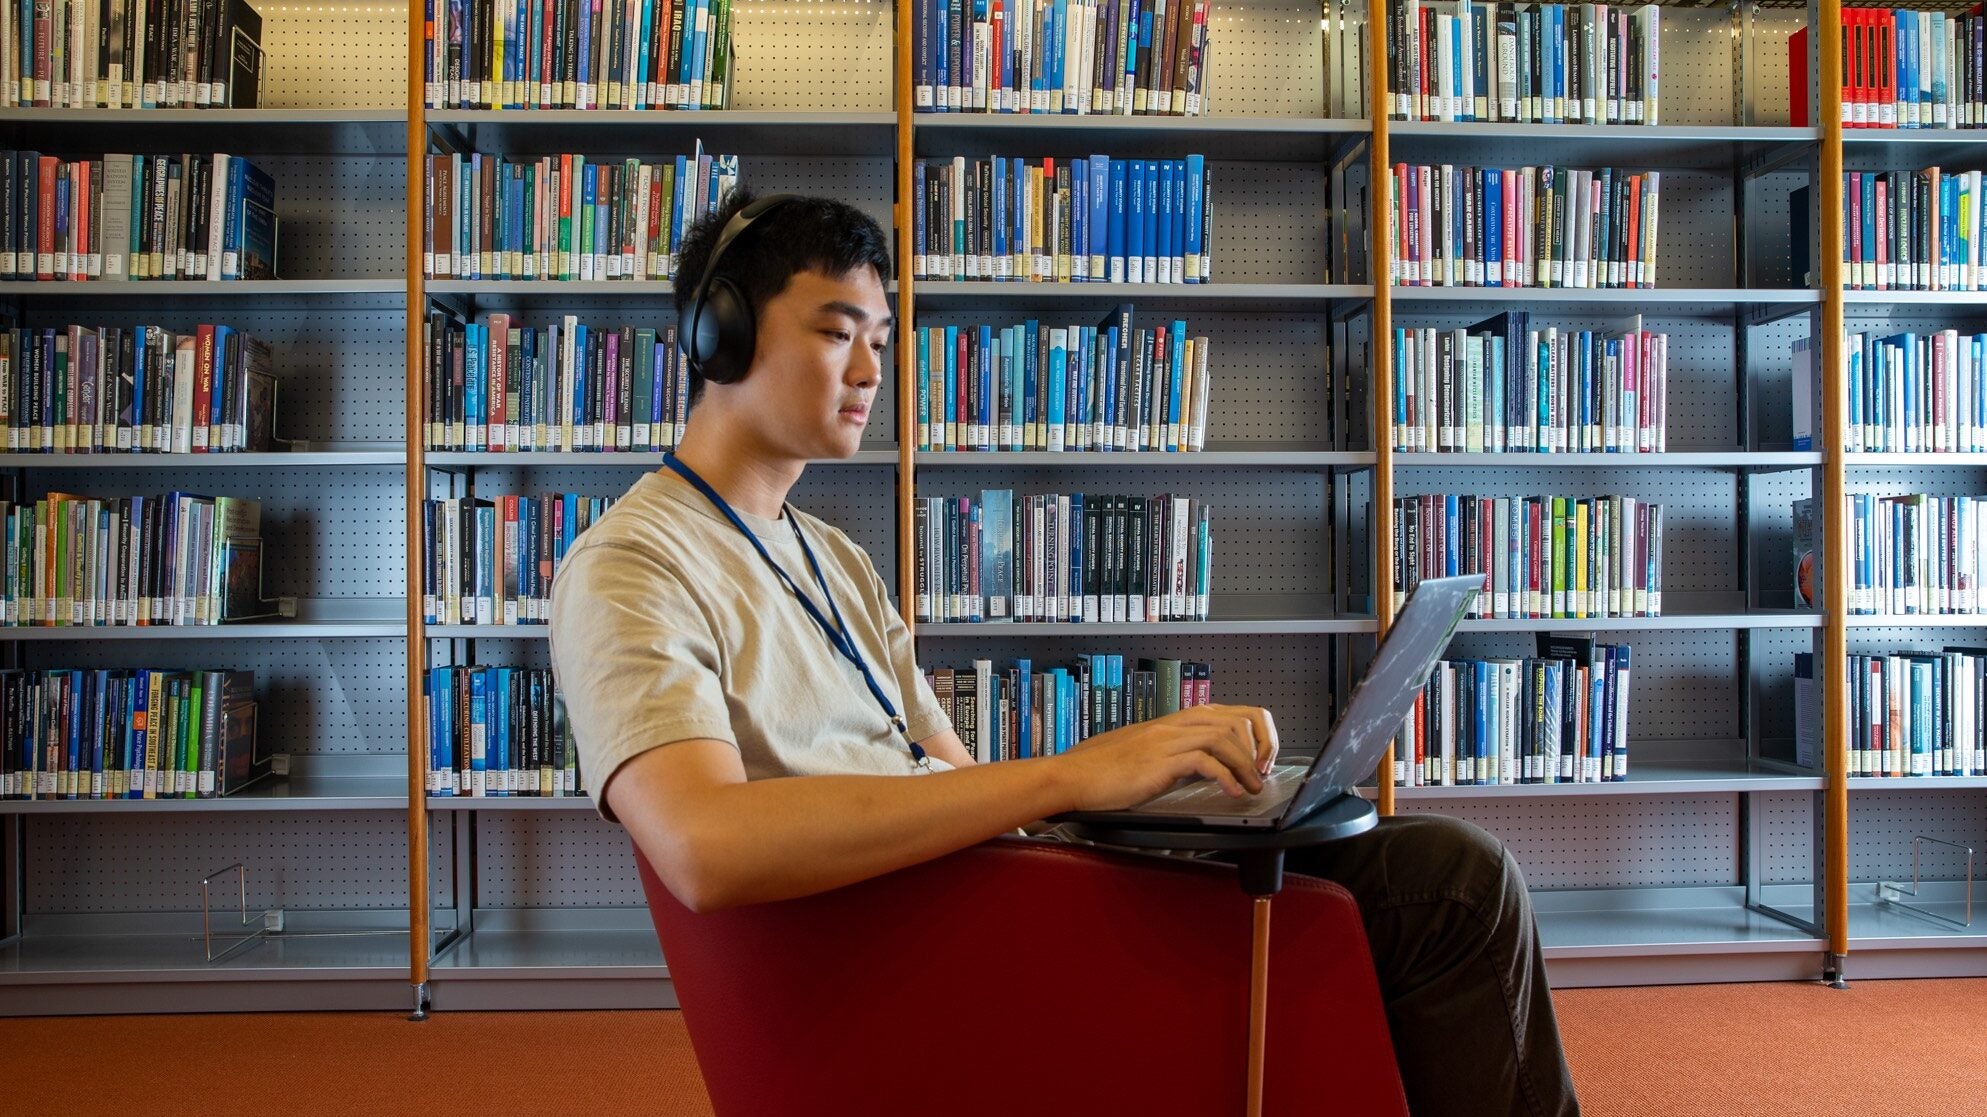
1233	745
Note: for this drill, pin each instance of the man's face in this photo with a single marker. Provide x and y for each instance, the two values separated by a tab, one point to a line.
818	363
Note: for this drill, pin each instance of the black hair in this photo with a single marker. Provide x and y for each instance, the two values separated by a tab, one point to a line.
805	234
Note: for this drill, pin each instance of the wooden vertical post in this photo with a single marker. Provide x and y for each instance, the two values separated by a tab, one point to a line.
1835	532
1379	266
416	483
906	347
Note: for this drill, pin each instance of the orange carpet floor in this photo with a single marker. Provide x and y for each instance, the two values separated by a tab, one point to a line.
1881	1049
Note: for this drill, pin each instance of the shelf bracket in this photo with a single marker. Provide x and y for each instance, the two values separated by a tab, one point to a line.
420	1002
1835	970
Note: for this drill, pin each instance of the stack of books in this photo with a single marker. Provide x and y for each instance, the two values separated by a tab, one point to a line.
1560	717
1107	387
491	561
1541	556
567	54
1523	63
121	216
1917	713
1908	393
176	559
127	734
1913	231
495	386
1503	386
498	731
1095	220
1022	711
1043	56
87	390
130	54
1902	69
566	217
1063	558
1523	227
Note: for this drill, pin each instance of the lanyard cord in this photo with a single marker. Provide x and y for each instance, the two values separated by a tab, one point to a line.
837	633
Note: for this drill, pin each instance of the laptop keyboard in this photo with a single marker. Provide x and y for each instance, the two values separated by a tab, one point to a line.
1205	796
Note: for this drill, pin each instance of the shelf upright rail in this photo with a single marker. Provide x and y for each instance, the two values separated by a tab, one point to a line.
416	483
906	403
1379	269
1835	535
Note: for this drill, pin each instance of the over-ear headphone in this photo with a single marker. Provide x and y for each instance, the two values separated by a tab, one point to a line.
715	328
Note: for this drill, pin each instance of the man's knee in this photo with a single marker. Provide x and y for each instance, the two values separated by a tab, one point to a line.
1466	854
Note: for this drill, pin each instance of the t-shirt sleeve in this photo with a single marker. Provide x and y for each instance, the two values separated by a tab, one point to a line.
636	659
923	716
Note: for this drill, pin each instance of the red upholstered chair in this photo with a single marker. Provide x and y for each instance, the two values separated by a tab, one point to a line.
1025	977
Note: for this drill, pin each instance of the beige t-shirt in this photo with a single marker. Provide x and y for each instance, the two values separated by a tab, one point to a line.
667	626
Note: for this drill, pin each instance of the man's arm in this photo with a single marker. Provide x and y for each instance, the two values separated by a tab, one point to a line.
718	841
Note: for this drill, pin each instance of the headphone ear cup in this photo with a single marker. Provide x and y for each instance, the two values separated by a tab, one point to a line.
725	333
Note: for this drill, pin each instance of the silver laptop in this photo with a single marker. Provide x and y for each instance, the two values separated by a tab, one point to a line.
1379	705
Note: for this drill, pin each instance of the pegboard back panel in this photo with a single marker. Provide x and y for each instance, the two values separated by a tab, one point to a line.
1272	529
91	864
1682	690
321	528
833	56
533	860
1268	221
317	698
339	217
340	375
1291	678
312	53
1883	822
1267	378
1266	59
1611	842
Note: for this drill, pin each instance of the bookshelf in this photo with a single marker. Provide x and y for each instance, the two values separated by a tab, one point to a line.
1719	858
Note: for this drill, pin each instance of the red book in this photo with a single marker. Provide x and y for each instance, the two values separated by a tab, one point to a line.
44	257
1797	77
203	385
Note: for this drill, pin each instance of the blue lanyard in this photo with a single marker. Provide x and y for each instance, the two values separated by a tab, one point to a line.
837	633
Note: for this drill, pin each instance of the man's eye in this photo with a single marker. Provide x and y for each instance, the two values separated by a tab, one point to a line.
838	335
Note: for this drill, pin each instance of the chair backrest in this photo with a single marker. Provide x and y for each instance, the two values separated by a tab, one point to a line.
1020	977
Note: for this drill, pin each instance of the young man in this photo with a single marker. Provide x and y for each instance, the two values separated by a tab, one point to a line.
746	700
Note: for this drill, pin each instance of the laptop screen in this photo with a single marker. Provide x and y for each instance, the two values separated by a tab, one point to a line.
1381	701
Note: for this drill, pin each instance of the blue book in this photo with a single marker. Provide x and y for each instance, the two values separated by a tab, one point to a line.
1058	385
984	375
1115	237
949	415
1024	704
1493	226
1098	223
1111	387
1196	202
1058	57
997	220
1149	238
475	344
1065	710
1451	536
479	744
941	61
497	717
1168	207
925	439
1135	226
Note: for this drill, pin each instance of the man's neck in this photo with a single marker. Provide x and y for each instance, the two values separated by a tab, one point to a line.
738	467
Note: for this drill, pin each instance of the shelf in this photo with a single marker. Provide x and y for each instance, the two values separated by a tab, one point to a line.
547	958
556	803
328	618
311	459
1667	935
1919	620
288	795
230	289
1919	783
1912	149
1672	621
1644	779
645	459
1089	459
613	132
252	132
1691	302
1735	461
1913	461
1698	147
662	291
1257	138
946	294
1853	300
1232	615
112	958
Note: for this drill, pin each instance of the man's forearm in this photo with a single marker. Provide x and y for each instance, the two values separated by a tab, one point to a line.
779	838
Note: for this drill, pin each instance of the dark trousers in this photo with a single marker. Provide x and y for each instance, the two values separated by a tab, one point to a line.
1457	953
